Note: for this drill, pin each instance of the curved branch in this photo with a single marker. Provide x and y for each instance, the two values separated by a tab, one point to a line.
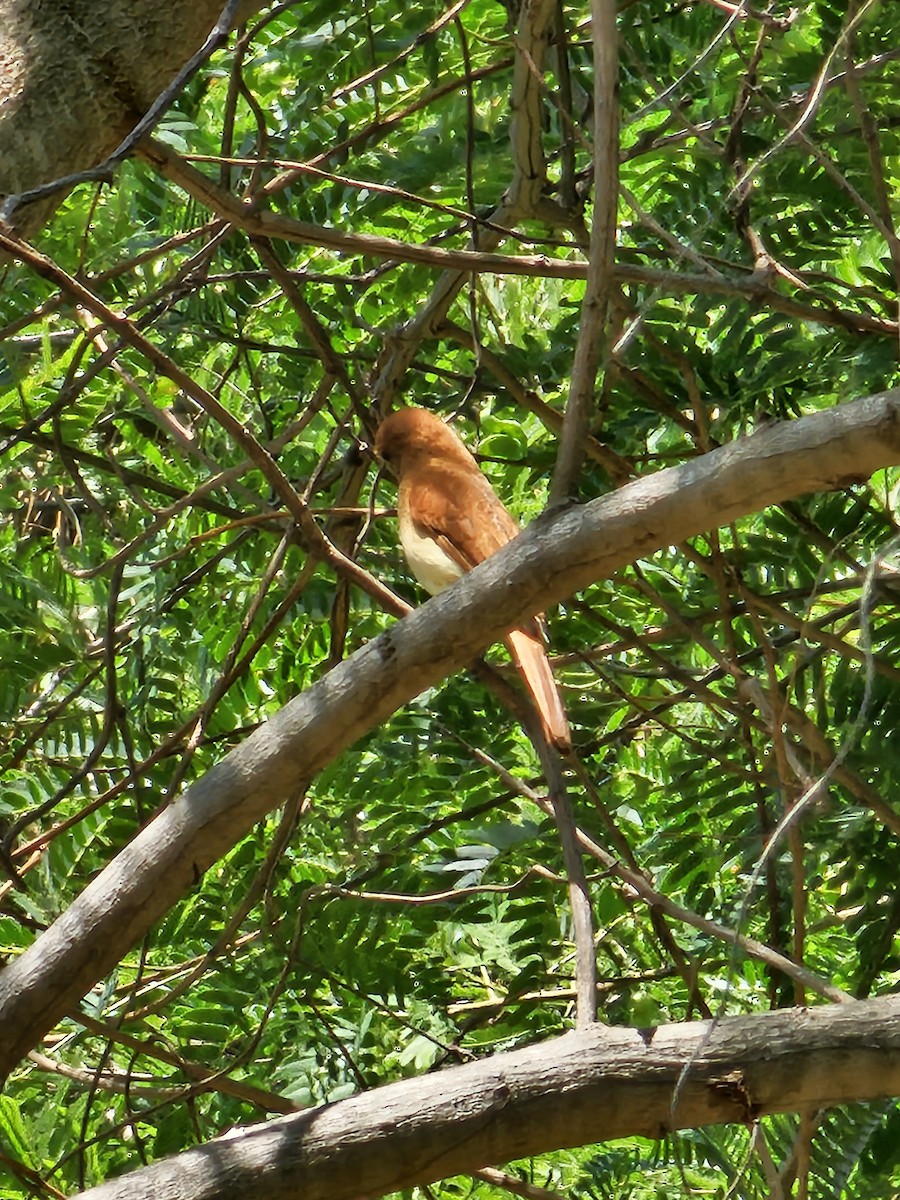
584	1087
558	555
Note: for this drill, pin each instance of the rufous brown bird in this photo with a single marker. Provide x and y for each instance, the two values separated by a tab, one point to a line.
450	520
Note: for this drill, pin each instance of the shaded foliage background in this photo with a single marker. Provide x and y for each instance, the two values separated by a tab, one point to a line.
156	602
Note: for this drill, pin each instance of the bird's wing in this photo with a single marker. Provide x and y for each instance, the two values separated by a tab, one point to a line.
459	509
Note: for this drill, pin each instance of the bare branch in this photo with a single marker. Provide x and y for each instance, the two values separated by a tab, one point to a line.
589	1086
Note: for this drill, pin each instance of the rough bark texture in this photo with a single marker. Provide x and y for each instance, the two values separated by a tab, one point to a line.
75	76
557	556
584	1087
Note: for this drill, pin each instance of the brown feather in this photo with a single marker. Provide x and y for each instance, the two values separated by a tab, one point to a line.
450	520
530	657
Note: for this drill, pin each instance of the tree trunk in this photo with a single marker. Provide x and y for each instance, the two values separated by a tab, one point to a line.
76	76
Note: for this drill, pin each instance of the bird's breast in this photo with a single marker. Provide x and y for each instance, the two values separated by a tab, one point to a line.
431	565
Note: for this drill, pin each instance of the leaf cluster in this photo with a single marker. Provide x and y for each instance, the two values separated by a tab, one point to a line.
157	602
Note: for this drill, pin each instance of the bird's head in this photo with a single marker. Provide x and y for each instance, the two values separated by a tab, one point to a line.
414	434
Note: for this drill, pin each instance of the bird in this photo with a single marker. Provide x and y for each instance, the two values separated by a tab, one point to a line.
451	519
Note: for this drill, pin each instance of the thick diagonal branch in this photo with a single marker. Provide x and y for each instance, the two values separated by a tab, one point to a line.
555	557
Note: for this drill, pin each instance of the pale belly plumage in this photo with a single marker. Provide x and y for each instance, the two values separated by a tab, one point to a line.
431	565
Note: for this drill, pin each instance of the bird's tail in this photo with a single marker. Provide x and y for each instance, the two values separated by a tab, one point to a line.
530	657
